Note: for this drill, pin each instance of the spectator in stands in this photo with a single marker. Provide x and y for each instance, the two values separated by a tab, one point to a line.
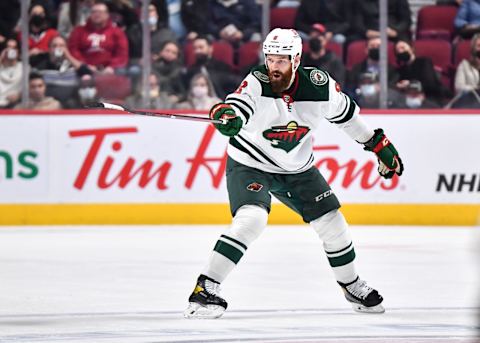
175	18
86	95
366	20
335	15
221	75
467	21
73	13
370	65
320	57
368	93
59	69
38	98
10	74
467	75
201	95
456	3
40	31
168	67
158	22
158	98
235	21
195	16
415	97
411	67
285	3
9	15
100	45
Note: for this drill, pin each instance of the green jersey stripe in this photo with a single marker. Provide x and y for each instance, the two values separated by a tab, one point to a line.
338	251
349	115
229	251
261	153
343	259
245	113
233	97
235	241
240	147
344	111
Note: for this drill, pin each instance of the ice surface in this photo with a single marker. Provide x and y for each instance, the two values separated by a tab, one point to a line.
131	284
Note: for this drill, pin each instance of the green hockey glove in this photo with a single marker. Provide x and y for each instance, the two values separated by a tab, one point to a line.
389	163
226	112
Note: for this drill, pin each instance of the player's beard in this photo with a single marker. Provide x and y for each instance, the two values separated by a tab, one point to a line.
280	81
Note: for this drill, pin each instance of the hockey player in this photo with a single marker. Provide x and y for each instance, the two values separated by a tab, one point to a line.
271	117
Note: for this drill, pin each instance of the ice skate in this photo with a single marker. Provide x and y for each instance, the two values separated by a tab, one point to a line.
205	301
362	297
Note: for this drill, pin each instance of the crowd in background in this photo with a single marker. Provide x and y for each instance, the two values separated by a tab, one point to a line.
83	51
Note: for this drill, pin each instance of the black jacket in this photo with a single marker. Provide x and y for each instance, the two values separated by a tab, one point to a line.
367	17
195	14
422	69
328	62
334	14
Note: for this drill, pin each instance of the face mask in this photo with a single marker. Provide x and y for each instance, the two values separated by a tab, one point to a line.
12	54
154	93
199	91
58	52
87	93
403	57
413	102
201	58
374	54
477	54
152	21
37	20
315	45
368	90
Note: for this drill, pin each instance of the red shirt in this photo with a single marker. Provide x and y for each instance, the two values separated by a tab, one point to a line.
106	46
40	41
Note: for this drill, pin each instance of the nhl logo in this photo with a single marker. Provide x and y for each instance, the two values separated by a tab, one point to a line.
318	77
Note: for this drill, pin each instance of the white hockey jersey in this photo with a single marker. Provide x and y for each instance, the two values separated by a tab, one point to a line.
277	133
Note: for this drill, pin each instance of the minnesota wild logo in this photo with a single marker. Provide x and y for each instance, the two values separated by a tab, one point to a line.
286	137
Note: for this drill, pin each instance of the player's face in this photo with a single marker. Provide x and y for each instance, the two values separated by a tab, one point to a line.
279	72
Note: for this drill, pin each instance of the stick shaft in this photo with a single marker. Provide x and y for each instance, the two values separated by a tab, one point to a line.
161	115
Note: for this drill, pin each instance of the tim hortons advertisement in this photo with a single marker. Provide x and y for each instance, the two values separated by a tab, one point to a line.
132	159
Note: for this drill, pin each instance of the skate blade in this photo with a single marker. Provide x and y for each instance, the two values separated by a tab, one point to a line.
197	311
372	309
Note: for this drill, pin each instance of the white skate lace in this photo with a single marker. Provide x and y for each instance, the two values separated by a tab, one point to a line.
359	289
212	287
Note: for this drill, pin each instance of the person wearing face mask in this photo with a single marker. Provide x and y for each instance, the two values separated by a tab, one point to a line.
415	97
221	74
158	98
160	33
86	94
10	75
201	96
368	93
370	65
411	67
40	31
59	70
320	57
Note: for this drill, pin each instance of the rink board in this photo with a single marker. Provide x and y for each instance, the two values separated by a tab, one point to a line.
86	168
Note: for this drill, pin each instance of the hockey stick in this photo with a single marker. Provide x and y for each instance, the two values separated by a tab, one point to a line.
109	106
